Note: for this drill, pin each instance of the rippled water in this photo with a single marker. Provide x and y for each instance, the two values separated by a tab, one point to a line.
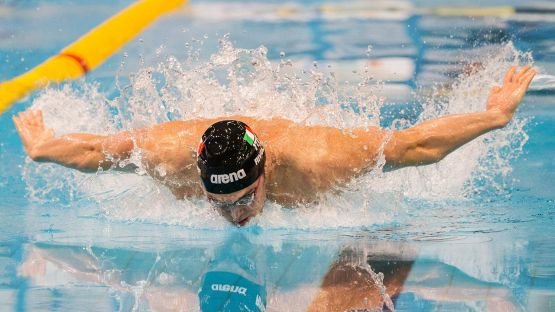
473	232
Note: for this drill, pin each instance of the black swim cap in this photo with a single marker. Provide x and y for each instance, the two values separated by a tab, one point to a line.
229	157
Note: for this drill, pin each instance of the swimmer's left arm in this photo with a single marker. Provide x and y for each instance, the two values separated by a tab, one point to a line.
358	150
431	141
311	159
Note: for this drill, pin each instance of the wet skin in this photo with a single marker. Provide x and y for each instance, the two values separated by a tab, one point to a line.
303	161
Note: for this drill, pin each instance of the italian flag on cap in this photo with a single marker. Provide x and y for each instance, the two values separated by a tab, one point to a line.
249	136
200	147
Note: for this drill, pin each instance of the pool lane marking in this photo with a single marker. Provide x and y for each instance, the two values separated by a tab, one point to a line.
89	51
82	63
356	10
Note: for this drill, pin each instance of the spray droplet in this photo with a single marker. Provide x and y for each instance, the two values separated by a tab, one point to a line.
369	50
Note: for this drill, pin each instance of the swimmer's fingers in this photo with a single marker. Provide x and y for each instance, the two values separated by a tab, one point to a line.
527	79
33	117
22	130
29	121
28	117
509	75
31	130
18	125
522	73
39	119
25	117
23	123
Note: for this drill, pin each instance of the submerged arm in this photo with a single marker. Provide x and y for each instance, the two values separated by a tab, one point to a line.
431	141
82	151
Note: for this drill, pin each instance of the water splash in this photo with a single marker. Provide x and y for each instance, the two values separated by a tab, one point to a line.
241	81
481	165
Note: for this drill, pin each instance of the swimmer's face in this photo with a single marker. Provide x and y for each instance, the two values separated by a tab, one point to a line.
239	207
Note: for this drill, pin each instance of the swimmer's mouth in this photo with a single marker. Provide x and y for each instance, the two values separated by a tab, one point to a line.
244	221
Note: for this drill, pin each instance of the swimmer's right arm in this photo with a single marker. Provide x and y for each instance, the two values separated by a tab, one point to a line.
81	151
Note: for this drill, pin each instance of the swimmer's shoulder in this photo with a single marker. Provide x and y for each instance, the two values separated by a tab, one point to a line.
261	125
265	128
272	131
190	131
204	123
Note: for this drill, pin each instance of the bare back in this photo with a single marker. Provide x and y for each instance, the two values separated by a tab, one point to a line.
302	162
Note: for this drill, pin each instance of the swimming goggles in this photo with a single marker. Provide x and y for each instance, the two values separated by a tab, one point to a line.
245	200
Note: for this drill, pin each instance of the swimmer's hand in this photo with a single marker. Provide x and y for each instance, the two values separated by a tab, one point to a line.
31	129
504	100
82	151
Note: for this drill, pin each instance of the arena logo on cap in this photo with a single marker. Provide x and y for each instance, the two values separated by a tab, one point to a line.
227	178
229	288
259	156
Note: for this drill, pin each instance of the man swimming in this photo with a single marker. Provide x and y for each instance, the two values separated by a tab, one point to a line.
295	166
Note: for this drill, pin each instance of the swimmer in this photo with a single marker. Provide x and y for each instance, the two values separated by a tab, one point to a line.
242	166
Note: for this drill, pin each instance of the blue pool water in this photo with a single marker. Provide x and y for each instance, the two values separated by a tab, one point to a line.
472	233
